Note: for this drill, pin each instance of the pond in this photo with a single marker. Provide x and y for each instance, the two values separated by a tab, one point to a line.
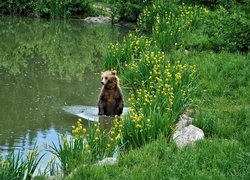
45	65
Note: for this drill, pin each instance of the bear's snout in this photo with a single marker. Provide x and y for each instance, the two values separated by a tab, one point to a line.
102	83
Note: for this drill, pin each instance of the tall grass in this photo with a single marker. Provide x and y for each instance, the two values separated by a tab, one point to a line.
160	83
169	21
87	145
15	166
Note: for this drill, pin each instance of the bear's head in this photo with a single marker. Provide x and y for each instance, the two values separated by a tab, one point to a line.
109	79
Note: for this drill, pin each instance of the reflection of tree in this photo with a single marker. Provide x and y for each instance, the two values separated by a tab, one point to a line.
66	48
31	51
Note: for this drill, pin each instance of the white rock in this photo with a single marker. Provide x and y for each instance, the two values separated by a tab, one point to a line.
108	161
187	135
98	19
183	121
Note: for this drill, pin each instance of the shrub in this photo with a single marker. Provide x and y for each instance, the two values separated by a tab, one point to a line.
222	35
25	7
127	10
214	4
64	8
46	8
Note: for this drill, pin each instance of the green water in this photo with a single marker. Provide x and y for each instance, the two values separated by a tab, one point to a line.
45	65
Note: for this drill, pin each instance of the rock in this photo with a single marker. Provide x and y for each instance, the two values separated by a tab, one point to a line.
98	19
183	121
108	161
187	135
186	51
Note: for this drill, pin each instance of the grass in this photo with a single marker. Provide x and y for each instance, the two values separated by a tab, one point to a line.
209	159
223	112
15	166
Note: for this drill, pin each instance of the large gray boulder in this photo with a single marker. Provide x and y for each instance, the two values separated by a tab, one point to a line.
185	132
187	135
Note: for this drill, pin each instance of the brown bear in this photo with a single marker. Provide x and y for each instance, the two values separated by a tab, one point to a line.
111	99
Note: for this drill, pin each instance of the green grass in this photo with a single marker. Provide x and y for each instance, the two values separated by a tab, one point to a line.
209	159
221	100
222	104
222	108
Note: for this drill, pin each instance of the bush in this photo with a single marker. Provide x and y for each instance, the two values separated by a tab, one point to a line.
228	30
62	8
45	8
127	10
25	7
214	4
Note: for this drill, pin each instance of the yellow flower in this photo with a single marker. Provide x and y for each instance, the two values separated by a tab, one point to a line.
84	130
118	137
139	126
96	138
86	146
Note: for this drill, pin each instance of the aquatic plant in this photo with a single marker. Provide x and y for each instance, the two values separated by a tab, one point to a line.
14	166
87	145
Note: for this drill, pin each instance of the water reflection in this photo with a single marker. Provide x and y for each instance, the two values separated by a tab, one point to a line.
45	65
65	48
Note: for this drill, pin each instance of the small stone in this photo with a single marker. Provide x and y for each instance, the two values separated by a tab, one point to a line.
108	161
187	135
98	19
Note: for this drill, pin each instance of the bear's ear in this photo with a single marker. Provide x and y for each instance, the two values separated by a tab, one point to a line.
113	72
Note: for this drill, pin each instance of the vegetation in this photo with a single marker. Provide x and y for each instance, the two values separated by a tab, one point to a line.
13	166
160	69
46	8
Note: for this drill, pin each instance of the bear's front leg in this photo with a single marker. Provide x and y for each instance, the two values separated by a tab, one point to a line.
100	109
101	104
120	105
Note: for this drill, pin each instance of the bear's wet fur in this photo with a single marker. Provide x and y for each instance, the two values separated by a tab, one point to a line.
111	99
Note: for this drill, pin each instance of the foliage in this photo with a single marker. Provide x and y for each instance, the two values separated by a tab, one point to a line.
160	85
127	10
214	4
65	8
13	166
168	22
46	8
222	36
87	146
